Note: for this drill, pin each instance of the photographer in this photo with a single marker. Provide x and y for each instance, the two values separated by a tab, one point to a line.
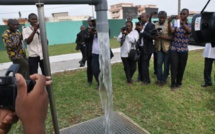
146	42
89	42
95	54
179	48
81	45
31	36
30	110
162	46
126	38
12	40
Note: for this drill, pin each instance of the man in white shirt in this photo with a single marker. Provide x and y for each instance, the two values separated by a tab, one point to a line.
31	36
126	38
209	54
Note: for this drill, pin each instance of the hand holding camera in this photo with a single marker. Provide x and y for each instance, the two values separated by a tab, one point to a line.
156	32
172	17
124	30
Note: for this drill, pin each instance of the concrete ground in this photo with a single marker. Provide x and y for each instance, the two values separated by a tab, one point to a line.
67	62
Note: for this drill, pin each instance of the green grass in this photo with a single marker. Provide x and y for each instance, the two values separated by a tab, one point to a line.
58	50
159	110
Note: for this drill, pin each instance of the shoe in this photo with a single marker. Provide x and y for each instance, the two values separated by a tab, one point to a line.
89	83
178	85
146	83
173	87
162	83
206	85
158	83
138	80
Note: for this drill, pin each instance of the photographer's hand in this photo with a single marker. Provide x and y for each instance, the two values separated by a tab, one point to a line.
36	27
7	118
31	108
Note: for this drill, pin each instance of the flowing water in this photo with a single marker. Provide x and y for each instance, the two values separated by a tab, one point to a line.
105	89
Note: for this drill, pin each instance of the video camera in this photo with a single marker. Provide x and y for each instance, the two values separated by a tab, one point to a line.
203	27
156	32
124	29
8	88
93	20
174	16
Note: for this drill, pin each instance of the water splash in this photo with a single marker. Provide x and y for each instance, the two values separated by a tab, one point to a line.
105	89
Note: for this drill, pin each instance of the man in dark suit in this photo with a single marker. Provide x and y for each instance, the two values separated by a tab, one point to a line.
81	45
89	43
146	42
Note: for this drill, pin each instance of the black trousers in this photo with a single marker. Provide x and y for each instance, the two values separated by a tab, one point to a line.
145	67
155	62
84	54
95	67
178	63
33	65
140	78
129	68
89	69
207	70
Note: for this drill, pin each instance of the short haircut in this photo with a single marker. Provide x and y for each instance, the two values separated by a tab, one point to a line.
31	14
11	21
162	13
129	22
185	9
138	24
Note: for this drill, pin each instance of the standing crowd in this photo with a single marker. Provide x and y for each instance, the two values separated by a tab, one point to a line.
167	42
13	41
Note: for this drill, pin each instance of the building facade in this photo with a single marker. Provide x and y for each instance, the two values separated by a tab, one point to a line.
116	10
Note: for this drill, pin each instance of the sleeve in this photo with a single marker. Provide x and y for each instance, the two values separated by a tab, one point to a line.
77	39
119	37
6	40
147	34
133	37
25	33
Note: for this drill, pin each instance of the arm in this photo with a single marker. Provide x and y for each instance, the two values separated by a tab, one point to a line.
7	41
30	38
32	116
147	34
119	38
186	27
78	39
169	38
171	29
133	37
88	35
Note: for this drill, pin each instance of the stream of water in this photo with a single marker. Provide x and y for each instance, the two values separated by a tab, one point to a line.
105	89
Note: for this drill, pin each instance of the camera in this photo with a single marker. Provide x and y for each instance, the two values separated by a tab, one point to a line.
8	88
93	29
93	20
174	16
139	18
124	29
156	32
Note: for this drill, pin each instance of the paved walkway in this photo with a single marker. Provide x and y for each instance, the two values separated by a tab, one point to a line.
67	62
